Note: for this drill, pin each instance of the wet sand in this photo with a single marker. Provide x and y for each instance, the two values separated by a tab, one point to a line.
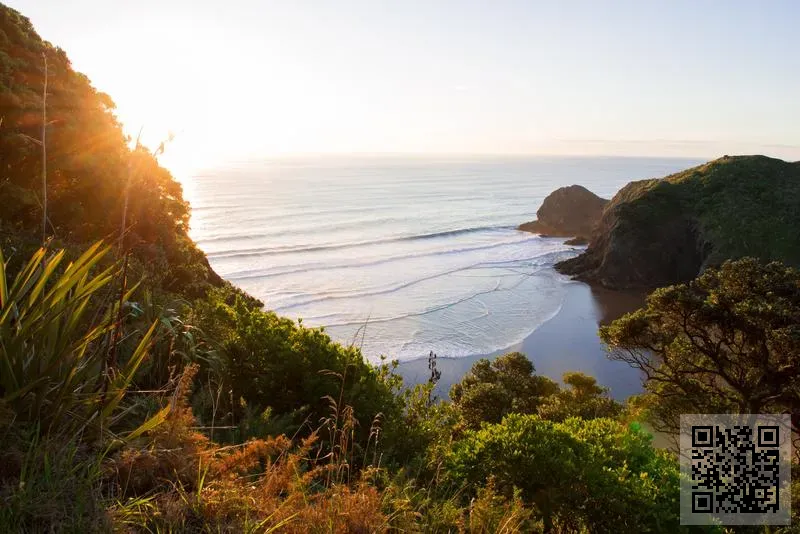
567	342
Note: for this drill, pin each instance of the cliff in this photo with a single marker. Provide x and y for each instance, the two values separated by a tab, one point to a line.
571	211
663	231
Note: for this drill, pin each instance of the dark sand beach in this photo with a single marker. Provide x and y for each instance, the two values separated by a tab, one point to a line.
567	342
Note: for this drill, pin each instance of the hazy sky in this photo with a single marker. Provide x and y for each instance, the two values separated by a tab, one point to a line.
245	77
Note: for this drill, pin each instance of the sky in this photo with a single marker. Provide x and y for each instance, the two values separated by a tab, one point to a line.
245	79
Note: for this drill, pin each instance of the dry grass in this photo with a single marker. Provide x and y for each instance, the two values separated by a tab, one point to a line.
178	480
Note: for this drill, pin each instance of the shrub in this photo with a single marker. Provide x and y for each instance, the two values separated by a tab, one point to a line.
56	345
577	474
493	389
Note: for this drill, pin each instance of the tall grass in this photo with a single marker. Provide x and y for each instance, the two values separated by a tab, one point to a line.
58	408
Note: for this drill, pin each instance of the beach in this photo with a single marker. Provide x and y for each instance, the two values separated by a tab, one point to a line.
403	255
569	341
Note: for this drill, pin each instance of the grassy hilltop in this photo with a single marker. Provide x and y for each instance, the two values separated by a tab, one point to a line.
662	231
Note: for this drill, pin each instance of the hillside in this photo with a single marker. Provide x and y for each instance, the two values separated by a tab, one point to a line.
663	231
91	168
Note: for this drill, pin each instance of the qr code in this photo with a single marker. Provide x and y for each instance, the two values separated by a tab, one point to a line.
735	469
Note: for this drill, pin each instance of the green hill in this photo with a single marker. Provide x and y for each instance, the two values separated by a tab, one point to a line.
662	231
89	165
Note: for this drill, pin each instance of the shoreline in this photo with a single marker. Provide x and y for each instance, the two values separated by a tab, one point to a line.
568	341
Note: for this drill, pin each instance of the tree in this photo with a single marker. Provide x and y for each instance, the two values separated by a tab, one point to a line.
88	164
584	399
493	389
728	341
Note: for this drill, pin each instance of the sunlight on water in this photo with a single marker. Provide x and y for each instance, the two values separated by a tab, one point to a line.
400	256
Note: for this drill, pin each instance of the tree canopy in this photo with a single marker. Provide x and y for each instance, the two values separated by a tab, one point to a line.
728	341
493	389
91	168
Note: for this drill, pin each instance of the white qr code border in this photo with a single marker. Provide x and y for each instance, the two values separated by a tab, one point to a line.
724	502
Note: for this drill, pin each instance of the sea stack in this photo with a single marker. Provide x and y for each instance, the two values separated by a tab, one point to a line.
571	211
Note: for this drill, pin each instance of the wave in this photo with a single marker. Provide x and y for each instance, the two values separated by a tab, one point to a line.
429	310
305	267
284	212
505	347
265	251
360	294
419	313
310	228
392	289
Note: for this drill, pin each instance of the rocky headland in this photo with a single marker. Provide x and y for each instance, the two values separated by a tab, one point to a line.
663	231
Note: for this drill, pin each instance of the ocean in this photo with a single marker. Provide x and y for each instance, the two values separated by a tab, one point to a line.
400	255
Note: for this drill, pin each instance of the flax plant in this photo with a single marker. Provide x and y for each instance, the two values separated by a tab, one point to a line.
51	349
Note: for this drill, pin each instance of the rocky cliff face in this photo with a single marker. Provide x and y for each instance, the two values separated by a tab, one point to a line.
664	231
568	212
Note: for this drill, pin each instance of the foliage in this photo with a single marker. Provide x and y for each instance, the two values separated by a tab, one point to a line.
744	205
492	390
91	171
177	480
48	485
495	388
729	341
273	362
578	474
54	359
583	399
664	231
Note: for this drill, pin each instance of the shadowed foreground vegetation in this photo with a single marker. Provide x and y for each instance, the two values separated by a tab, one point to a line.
212	417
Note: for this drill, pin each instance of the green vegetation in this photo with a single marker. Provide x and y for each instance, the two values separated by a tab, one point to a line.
743	206
726	342
508	385
492	390
93	176
579	474
664	231
139	393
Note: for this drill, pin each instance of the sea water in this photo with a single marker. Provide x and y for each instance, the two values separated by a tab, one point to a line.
400	255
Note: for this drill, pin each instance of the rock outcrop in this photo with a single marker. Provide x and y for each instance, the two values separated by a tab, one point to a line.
571	211
664	231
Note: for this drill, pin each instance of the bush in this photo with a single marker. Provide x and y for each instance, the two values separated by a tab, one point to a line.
493	389
56	344
578	474
728	341
272	363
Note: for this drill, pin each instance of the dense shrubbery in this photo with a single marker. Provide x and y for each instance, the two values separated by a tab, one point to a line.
262	354
579	474
494	389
